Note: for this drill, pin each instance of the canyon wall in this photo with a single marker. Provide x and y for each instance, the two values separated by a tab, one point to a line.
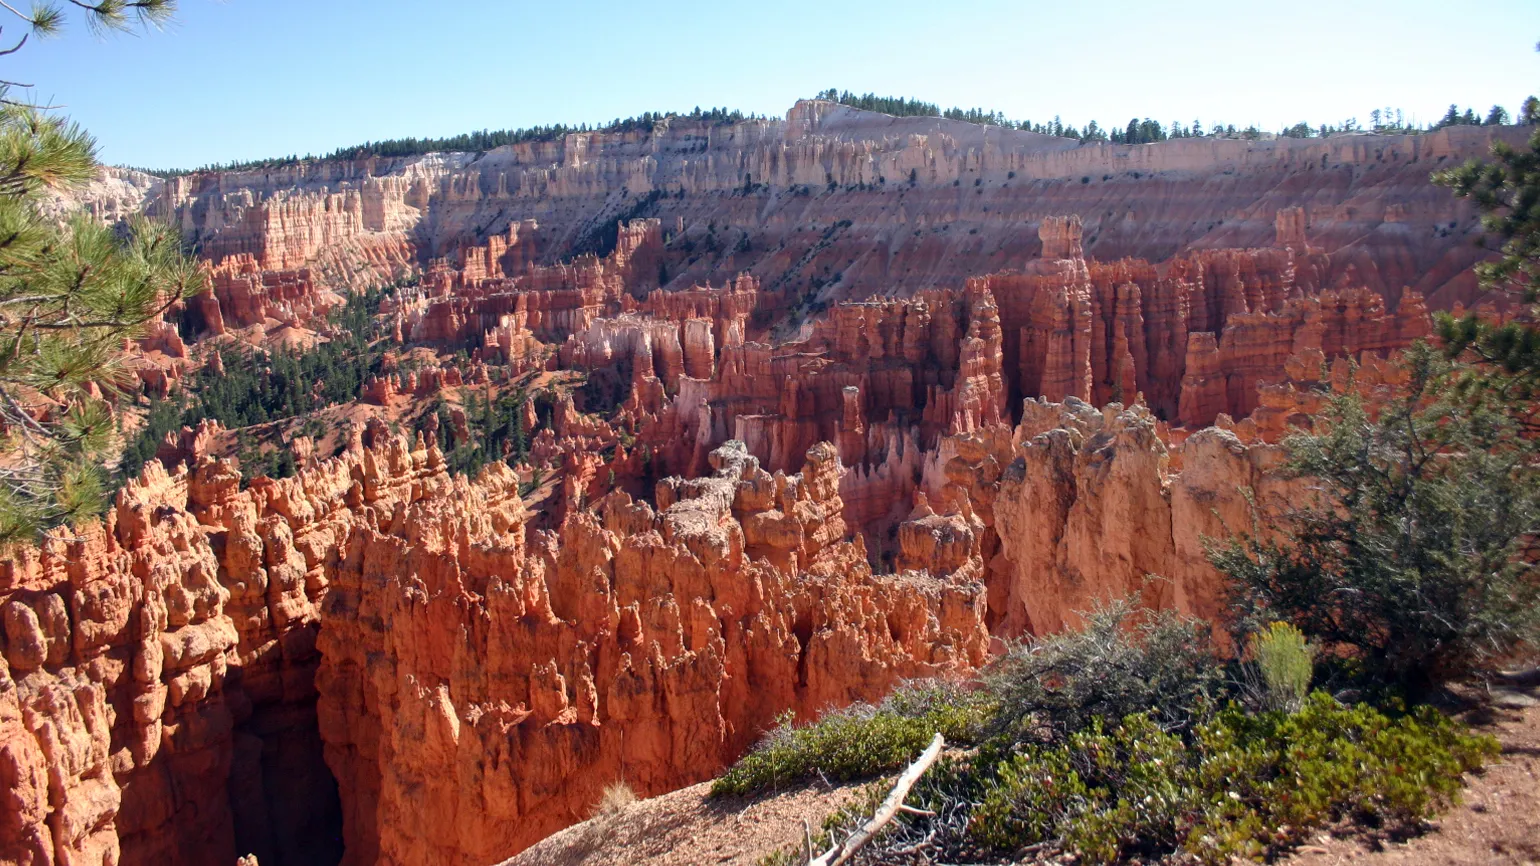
1197	335
832	203
379	648
178	680
1214	334
1090	507
379	662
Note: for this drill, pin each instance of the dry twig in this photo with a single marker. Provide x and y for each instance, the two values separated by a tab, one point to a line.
843	851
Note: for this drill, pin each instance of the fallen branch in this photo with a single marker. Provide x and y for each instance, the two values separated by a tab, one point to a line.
843	851
1521	678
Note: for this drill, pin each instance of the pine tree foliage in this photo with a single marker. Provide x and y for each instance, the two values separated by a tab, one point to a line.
49	19
494	429
1386	121
1507	354
1419	552
70	295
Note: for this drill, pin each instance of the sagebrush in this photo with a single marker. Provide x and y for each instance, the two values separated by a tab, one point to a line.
861	740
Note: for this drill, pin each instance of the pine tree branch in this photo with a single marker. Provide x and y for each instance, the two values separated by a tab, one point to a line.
17	12
13	49
32	105
114	14
30	299
24	419
21	332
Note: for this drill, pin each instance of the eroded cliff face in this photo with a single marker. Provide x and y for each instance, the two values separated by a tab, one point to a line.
1215	334
1196	335
1090	508
168	691
380	662
171	676
833	203
509	686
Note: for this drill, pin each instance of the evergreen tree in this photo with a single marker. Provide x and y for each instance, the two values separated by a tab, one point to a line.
1498	116
1418	554
520	438
69	296
1421	556
1507	190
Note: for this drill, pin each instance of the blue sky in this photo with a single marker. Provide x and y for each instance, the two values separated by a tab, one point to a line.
243	79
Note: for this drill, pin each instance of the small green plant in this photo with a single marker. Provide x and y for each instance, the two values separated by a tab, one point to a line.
860	741
1281	667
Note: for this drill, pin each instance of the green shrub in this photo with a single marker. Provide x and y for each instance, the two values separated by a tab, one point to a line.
1030	797
1240	785
1265	780
1054	768
1099	794
1417	556
1124	661
1281	667
860	741
1245	786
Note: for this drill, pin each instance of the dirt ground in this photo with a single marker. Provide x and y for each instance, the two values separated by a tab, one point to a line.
688	827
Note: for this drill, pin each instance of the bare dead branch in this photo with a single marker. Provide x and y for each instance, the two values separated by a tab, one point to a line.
843	851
